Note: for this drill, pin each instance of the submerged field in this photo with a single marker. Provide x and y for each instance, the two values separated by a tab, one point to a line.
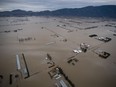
36	37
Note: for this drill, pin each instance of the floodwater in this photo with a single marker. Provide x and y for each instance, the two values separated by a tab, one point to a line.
37	36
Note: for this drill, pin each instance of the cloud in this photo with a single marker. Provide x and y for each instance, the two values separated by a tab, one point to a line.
39	5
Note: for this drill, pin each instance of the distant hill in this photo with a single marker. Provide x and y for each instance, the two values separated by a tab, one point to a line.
108	11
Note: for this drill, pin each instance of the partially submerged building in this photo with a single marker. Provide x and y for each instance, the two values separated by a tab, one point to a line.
102	54
93	35
61	80
21	66
84	47
104	39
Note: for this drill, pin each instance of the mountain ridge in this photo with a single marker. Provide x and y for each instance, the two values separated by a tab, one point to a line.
108	11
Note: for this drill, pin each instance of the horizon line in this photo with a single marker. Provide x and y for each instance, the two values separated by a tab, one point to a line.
58	9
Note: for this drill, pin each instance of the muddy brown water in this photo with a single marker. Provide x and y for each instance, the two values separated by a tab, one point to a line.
89	71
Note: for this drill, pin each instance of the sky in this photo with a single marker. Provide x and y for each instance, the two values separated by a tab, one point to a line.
40	5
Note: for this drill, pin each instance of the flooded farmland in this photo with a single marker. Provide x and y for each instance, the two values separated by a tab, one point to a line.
50	42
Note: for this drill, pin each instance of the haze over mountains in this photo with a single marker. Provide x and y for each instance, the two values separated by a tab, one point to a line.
108	11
